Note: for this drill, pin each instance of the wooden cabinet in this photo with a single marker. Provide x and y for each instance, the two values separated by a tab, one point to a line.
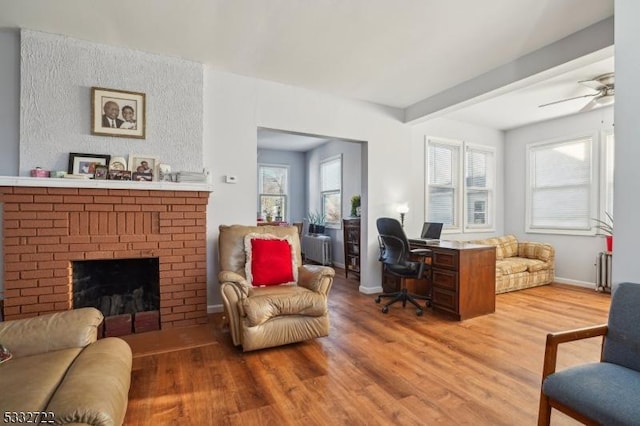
463	281
351	229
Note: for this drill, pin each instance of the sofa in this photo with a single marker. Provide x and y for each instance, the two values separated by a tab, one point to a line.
278	313
60	372
521	264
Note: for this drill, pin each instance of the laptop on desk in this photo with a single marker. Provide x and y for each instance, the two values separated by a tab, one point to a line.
430	234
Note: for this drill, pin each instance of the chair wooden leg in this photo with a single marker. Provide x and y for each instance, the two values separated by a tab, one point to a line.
544	413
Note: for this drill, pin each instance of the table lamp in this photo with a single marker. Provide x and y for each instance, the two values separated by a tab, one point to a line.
402	209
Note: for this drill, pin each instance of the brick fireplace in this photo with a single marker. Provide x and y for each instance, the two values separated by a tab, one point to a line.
46	228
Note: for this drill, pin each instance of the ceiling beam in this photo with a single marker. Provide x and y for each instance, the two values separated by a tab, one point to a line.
595	38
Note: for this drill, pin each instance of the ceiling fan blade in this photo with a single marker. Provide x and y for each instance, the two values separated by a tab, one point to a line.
590	105
568	99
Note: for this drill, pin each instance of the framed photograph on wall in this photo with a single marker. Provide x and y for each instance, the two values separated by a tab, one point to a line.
144	166
85	164
118	113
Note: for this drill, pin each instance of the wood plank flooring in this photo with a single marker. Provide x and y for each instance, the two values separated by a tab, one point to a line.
374	369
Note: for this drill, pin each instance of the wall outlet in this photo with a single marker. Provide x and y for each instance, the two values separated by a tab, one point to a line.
231	179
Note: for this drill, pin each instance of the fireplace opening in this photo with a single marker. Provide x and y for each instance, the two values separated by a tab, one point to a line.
122	289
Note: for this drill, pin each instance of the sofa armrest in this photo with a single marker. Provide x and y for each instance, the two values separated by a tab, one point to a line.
95	389
76	328
316	278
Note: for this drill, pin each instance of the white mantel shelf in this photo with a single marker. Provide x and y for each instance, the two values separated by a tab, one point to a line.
104	184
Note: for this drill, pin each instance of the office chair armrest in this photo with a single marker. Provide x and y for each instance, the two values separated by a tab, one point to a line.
316	278
421	252
554	339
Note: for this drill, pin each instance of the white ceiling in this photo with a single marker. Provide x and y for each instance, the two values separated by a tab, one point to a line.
392	52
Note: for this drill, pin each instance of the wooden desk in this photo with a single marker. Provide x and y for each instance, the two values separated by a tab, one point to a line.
463	279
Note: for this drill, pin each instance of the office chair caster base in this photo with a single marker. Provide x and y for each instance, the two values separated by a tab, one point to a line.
419	312
378	299
385	309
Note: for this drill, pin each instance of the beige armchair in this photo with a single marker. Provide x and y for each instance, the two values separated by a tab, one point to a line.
262	317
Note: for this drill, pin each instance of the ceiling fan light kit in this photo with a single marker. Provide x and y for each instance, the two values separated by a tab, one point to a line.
605	90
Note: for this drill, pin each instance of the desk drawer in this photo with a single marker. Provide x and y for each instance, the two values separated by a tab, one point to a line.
445	279
445	259
444	299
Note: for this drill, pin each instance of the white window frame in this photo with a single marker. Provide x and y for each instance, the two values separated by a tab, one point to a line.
593	185
457	178
331	191
285	195
460	187
607	151
489	225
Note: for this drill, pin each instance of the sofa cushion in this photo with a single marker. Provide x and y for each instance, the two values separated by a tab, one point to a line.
270	260
509	245
268	302
493	242
534	265
535	250
511	266
32	380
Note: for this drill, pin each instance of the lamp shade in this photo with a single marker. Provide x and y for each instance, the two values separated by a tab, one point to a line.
403	208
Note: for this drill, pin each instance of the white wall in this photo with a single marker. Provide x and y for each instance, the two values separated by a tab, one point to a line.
575	255
456	130
57	74
626	266
235	106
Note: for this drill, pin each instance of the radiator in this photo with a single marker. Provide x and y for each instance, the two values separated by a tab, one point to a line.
317	248
603	272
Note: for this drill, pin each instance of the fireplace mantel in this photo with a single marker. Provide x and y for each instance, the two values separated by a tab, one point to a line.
103	184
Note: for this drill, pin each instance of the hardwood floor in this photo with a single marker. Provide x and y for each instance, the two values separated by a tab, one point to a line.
374	369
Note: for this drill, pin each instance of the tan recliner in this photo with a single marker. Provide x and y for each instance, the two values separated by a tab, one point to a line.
262	317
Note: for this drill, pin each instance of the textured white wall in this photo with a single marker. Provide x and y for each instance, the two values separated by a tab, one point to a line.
57	74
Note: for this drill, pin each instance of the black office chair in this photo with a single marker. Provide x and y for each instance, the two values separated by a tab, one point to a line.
395	255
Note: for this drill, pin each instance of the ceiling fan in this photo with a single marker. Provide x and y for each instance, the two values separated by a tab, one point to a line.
605	90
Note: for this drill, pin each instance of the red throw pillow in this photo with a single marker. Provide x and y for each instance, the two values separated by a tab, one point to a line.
269	261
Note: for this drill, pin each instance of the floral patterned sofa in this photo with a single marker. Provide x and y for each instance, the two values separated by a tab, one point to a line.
521	264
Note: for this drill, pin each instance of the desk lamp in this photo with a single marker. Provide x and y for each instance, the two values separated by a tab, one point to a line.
402	209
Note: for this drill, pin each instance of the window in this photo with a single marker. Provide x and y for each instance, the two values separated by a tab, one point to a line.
607	202
273	184
443	165
331	190
479	182
559	182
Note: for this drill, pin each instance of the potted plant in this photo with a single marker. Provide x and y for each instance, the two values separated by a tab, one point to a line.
316	222
607	228
355	206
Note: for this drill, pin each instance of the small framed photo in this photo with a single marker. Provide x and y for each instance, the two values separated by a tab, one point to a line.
119	175
118	113
144	165
85	164
101	172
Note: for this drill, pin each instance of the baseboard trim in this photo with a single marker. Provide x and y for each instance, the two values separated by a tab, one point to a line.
574	282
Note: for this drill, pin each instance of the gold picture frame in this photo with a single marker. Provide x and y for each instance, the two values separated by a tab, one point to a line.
118	113
145	167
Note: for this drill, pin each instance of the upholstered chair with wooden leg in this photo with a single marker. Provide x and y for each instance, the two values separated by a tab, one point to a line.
605	392
269	296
